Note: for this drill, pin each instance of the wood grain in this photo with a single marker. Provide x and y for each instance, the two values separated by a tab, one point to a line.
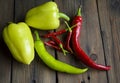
6	15
94	42
110	21
99	38
21	73
43	74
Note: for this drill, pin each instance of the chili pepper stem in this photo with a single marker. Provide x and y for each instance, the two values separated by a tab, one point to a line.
79	12
37	35
63	50
60	44
70	30
58	32
84	58
62	15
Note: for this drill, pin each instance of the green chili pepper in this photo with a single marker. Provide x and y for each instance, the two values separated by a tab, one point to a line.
50	61
45	16
20	42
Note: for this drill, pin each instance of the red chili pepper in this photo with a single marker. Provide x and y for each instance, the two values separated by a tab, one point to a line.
52	42
60	44
76	46
53	45
67	43
55	33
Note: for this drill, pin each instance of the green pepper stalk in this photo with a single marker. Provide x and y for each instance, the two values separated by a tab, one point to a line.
45	16
50	61
18	38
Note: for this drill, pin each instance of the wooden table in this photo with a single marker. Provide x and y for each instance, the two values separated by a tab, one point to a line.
100	39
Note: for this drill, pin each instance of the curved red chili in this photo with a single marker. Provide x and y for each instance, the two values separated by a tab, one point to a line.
84	58
68	37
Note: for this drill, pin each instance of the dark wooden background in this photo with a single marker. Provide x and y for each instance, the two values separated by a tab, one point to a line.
100	38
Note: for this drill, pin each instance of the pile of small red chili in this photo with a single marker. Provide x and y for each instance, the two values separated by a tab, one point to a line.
72	36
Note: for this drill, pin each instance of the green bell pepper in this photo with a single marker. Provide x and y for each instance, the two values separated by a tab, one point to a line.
45	16
20	42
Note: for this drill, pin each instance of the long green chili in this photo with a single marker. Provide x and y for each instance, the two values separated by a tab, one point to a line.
50	61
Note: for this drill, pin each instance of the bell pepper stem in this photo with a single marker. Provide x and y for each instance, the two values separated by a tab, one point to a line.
62	15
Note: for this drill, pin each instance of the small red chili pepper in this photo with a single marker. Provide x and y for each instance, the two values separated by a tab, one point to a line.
60	44
76	46
57	32
52	42
53	45
67	43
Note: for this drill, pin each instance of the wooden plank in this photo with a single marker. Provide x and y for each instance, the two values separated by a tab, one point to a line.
91	40
115	29
100	38
37	72
6	15
43	74
21	8
110	28
22	73
68	7
93	45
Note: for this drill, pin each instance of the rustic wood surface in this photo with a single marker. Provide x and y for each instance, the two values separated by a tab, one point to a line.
100	39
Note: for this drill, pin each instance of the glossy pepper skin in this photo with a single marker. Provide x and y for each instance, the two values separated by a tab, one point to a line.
84	58
45	16
50	61
20	42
